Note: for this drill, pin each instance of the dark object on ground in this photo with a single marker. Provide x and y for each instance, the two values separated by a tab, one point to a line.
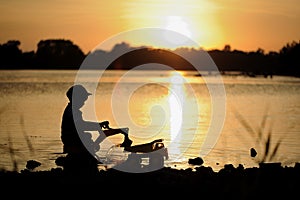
78	164
61	161
196	161
32	164
253	152
154	151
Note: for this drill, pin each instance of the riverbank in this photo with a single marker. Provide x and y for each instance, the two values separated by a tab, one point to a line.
232	182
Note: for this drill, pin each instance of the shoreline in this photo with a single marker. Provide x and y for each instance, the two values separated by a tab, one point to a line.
268	180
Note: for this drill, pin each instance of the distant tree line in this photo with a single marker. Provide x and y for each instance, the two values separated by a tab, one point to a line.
50	54
284	62
64	54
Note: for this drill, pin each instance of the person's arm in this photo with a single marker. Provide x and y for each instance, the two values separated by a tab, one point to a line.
85	125
89	126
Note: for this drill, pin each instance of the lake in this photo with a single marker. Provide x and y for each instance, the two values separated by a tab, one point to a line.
218	118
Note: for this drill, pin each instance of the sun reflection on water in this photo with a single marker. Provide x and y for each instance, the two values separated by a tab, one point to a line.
176	100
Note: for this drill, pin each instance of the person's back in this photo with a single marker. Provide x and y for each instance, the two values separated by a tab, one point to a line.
72	126
69	133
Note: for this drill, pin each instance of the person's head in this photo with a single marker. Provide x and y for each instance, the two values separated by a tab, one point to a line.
77	94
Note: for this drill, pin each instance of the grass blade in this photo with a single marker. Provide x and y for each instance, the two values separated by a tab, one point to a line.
262	127
275	150
28	142
245	124
267	147
12	153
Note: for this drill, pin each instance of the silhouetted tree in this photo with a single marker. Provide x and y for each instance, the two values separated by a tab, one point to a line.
63	54
10	54
58	53
289	59
227	48
28	60
149	55
256	62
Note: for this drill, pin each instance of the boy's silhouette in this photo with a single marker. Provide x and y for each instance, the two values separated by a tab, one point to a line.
77	141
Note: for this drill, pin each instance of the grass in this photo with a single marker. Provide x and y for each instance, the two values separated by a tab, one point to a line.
10	148
264	142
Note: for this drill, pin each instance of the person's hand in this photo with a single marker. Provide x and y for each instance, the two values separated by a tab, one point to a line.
125	130
105	124
157	140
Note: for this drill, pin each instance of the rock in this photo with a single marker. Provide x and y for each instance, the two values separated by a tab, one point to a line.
32	164
196	161
60	161
253	152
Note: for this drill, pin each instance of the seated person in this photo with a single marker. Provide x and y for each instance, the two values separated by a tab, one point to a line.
74	129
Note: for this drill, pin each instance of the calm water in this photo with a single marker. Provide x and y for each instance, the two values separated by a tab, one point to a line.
177	107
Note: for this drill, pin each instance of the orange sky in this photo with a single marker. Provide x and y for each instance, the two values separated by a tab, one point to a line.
245	25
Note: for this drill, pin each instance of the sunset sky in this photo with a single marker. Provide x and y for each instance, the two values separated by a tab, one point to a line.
245	25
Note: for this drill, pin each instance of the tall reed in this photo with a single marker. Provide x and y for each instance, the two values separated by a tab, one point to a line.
258	134
10	147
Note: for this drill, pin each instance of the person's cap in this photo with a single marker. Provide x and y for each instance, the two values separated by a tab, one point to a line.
77	90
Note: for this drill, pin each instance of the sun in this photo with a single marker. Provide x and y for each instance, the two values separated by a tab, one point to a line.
179	25
178	32
189	23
